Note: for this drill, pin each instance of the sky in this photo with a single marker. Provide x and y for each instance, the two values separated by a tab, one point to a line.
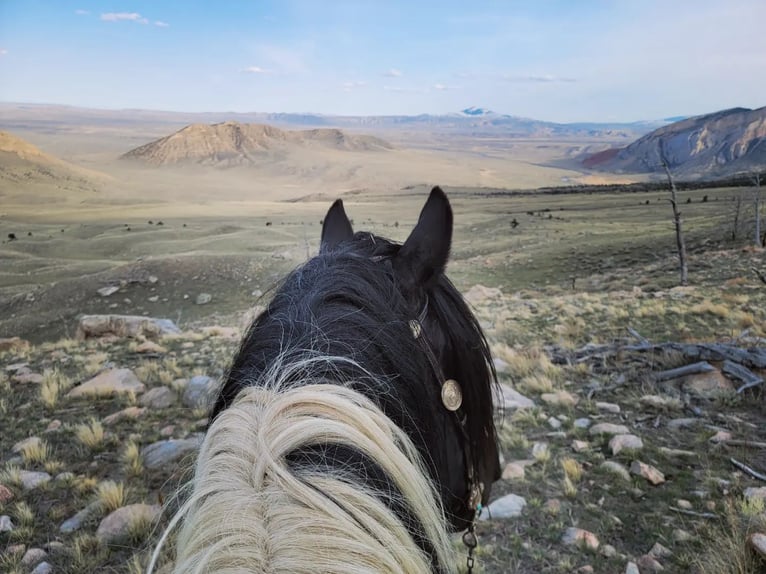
556	60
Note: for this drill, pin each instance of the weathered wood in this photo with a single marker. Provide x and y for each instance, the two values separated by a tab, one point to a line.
740	442
693	369
693	513
677	221
737	371
641	339
760	274
748	470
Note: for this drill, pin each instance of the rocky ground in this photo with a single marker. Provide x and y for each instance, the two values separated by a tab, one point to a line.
607	467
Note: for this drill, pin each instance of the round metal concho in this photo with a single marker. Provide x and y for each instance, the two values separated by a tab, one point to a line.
415	328
452	396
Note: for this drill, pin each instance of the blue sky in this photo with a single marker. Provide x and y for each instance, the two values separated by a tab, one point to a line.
559	60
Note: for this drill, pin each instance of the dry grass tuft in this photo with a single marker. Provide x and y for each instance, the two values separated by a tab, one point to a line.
111	495
23	514
132	460
569	488
54	383
572	469
91	435
36	452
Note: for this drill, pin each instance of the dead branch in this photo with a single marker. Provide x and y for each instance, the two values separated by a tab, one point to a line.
641	339
740	442
693	369
748	470
736	371
760	274
692	513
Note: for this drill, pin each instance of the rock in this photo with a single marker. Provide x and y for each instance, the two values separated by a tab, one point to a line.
608	407
720	436
625	441
151	347
55	547
757	542
30	442
158	398
677	453
608	551
509	399
578	536
116	527
203	299
109	383
75	522
559	398
661	403
108	290
608	428
587	569
126	413
683	504
25	377
632	568
200	393
755	492
6	494
501	366
582	423
710	385
554	423
53	426
508	506
230	333
124	326
580	445
680	535
552	506
43	568
64	477
480	293
647	471
167	431
5	523
13	344
616	468
515	469
164	452
32	479
540	450
648	564
33	556
16	367
683	423
659	551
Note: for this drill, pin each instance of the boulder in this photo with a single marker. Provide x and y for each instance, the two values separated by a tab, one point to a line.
124	326
109	383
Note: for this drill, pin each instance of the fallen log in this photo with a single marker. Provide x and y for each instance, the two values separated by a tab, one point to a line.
693	369
743	374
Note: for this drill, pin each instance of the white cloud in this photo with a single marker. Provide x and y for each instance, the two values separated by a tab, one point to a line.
3	51
440	87
125	16
541	79
394	73
81	12
256	70
402	90
349	86
161	24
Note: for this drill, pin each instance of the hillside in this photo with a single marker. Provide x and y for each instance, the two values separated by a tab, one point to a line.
721	143
231	144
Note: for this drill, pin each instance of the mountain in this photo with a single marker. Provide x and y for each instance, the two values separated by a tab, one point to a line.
22	164
231	144
722	143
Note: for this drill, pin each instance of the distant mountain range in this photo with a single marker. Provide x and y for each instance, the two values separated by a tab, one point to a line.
231	144
713	145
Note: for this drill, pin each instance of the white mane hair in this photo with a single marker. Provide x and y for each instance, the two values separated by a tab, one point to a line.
249	511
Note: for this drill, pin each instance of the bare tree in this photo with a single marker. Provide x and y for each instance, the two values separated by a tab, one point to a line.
680	243
737	214
756	179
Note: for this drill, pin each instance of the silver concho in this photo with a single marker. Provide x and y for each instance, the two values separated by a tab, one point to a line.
415	328
452	396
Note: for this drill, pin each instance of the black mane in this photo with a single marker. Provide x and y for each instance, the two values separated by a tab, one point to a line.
352	301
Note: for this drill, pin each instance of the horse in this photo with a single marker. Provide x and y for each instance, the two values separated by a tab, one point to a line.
354	430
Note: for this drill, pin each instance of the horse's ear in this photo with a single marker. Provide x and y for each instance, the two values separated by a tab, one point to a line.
336	227
424	255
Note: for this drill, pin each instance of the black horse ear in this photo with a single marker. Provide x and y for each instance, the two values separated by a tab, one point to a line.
424	255
336	227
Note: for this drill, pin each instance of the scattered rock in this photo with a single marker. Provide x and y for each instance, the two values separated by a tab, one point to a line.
43	568
116	527
508	506
680	535
200	392
480	293
158	398
108	290
231	333
648	564
631	568
755	492
108	383
33	556
510	399
608	428
559	398
683	423
25	377
710	385
203	299
164	452
75	522
757	541
501	366
582	423
608	551
625	441
587	569
515	469
554	423
608	407
552	506
6	494
126	413
660	402
14	344
721	436
53	426
30	442
647	471
151	347
659	551
616	468
578	536
684	504
167	431
15	367
540	450
5	523
124	326
31	479
580	445
677	453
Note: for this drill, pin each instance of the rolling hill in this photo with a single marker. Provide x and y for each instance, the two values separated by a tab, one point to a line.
713	145
230	144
